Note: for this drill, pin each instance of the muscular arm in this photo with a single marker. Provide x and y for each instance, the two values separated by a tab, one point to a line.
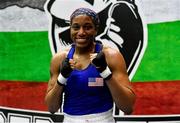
53	97
119	84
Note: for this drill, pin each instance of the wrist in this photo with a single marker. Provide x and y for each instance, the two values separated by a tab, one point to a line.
61	80
106	74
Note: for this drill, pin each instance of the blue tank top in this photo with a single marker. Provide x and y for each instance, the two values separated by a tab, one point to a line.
86	92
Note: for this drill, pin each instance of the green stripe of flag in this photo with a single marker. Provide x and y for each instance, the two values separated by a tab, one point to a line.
161	59
25	56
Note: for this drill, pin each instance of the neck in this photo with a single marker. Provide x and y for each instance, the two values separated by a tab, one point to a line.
85	50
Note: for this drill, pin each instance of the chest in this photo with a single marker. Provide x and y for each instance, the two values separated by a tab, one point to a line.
85	81
81	63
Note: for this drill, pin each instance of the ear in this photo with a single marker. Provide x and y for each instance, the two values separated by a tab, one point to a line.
95	33
96	28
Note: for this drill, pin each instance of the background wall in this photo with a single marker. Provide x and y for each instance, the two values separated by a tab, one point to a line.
25	57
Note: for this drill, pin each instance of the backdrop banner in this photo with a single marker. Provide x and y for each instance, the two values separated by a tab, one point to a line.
12	115
146	32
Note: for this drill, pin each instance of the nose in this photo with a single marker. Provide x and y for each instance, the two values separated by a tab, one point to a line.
81	31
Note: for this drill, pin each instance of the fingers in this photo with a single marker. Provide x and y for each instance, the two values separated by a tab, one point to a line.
72	63
75	65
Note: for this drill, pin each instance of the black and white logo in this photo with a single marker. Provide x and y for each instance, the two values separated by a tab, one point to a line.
122	27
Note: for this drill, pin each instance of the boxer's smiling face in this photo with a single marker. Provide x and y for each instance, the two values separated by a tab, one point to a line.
82	30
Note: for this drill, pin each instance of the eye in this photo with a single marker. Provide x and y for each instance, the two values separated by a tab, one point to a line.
88	27
75	27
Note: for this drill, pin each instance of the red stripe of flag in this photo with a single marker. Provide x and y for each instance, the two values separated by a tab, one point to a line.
153	98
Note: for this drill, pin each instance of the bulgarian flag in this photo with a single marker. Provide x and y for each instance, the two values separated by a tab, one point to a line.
25	58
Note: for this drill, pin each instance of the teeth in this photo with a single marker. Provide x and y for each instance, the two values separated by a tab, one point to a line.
81	39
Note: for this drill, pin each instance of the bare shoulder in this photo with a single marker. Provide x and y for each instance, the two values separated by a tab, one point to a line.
58	57
111	52
57	60
114	57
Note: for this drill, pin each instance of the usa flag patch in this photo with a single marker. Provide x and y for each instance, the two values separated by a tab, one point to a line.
95	82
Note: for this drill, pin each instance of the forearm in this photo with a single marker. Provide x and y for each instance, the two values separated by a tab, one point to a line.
123	96
53	98
114	73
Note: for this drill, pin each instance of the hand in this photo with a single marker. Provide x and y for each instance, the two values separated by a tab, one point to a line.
66	68
65	71
99	61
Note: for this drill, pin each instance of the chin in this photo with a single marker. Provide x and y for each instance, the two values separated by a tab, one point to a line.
83	45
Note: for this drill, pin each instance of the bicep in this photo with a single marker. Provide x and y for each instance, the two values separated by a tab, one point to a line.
118	68
52	81
54	72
